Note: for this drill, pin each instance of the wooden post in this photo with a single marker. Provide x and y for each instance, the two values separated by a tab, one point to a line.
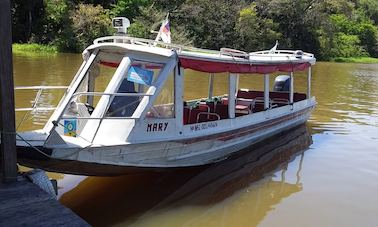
7	118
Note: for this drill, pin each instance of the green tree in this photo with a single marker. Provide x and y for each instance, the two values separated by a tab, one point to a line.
27	16
327	28
297	21
341	45
210	24
370	7
88	23
128	8
348	36
106	4
58	26
255	33
150	19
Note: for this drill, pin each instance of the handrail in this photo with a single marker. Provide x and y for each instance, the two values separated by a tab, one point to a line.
208	114
133	40
35	108
276	52
280	100
233	52
39	87
152	43
101	94
99	118
39	90
181	48
110	94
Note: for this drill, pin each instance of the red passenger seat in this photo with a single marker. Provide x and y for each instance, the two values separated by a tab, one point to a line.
222	110
186	115
299	97
249	94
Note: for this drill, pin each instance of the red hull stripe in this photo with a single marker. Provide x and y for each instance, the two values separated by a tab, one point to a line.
224	136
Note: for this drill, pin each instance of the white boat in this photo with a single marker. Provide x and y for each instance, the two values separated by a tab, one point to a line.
127	126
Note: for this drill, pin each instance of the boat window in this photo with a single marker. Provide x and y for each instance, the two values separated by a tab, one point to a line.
163	106
96	80
134	85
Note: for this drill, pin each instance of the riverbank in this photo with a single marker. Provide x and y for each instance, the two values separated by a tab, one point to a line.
363	60
33	49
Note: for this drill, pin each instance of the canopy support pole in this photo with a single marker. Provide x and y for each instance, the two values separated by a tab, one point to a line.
179	99
309	75
211	85
291	88
232	95
237	82
266	91
91	87
141	86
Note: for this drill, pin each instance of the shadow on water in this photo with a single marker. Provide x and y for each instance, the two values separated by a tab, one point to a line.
125	199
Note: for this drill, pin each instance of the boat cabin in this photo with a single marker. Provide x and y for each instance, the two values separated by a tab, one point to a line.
132	90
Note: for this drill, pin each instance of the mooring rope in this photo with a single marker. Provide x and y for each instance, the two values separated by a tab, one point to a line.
32	146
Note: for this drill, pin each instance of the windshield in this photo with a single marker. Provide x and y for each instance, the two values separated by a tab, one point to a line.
135	82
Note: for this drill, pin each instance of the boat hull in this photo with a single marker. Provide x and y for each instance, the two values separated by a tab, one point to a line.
158	156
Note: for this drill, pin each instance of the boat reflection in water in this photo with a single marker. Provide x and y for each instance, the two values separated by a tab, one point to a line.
221	193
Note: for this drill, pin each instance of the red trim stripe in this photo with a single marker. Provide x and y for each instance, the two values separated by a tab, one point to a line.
224	136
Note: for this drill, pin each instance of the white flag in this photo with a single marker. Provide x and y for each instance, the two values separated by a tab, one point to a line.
165	32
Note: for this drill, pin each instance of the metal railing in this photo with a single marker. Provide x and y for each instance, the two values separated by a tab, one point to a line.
39	90
34	105
150	43
103	115
296	53
180	48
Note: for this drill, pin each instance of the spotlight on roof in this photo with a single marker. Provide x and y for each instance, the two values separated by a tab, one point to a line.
121	24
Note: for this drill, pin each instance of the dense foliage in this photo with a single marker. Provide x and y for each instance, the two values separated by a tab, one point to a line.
328	28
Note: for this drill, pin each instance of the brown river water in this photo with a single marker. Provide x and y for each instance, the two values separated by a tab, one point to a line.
324	173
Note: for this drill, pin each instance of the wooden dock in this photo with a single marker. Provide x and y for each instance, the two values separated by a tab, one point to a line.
25	204
22	203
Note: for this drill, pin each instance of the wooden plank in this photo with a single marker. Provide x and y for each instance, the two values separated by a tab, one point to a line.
25	204
7	118
45	213
18	193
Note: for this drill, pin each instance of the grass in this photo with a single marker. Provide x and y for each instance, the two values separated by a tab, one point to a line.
33	49
367	60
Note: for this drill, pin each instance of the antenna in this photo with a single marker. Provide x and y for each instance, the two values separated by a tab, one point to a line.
121	24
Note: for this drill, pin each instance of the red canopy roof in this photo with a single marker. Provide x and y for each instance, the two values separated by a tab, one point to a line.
221	67
224	67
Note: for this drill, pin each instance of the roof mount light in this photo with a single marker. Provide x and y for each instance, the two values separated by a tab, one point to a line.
298	54
121	24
